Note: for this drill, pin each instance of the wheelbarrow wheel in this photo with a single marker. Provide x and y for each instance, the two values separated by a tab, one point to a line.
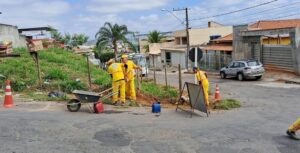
74	105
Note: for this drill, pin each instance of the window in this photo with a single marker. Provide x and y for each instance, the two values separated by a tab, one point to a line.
242	65
168	57
231	65
236	64
253	63
184	40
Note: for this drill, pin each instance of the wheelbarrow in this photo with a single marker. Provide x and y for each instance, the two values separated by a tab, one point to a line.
86	97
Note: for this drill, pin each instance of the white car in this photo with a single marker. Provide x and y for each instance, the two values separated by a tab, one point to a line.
243	69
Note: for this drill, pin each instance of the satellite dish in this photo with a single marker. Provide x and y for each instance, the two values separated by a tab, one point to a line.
192	54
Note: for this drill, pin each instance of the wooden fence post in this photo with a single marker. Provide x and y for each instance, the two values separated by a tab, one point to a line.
89	71
180	78
154	64
166	76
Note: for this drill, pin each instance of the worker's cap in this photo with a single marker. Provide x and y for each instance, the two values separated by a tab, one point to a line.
124	56
195	69
110	61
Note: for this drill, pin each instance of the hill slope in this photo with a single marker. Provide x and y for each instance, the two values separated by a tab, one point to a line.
59	68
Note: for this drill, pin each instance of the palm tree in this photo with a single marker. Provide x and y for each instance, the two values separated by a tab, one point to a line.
154	37
111	34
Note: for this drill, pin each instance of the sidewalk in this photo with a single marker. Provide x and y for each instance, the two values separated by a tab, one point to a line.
272	76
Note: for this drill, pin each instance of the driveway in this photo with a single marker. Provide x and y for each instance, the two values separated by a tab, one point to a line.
258	127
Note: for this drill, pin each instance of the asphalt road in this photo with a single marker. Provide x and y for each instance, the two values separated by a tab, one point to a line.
258	127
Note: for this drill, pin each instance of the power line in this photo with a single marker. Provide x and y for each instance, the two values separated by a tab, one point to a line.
273	13
231	12
264	18
271	9
245	20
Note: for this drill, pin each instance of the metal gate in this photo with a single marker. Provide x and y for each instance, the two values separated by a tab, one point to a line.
278	57
255	51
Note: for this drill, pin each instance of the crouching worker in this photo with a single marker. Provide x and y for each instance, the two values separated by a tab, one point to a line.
293	129
202	79
128	68
118	82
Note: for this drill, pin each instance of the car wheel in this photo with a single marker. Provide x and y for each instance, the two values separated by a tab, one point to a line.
240	76
223	75
258	77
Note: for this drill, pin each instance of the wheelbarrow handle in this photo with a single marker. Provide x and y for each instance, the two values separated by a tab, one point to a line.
105	91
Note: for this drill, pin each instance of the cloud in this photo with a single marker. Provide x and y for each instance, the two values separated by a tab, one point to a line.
33	13
51	7
116	6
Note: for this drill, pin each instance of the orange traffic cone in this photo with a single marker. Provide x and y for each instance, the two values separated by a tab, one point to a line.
8	100
217	94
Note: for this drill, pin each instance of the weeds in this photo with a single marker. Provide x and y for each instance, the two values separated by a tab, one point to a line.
227	104
159	91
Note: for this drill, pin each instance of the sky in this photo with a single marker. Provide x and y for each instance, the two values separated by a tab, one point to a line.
87	16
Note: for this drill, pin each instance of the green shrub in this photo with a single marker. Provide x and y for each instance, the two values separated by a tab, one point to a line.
227	104
18	86
158	91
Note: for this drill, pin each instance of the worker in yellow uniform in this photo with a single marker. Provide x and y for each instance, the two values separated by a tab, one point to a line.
128	68
202	79
293	129
118	81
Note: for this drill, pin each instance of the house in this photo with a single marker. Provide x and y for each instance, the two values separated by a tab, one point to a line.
275	24
174	52
10	33
217	53
250	42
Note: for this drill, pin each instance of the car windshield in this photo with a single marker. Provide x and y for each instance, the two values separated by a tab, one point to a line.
253	63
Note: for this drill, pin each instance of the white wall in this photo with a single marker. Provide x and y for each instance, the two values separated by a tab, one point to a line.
202	36
11	33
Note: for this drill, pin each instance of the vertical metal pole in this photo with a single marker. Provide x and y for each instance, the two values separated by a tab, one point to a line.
180	78
89	72
187	38
196	55
166	77
196	63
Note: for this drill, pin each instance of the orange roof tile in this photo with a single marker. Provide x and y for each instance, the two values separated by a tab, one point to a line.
227	48
275	24
227	38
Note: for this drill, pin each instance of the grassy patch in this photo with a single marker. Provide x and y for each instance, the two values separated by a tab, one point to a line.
59	67
159	91
227	104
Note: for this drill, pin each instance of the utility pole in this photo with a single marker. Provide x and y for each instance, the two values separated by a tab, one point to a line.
187	35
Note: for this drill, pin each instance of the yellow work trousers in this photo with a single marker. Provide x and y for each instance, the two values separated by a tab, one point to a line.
130	90
295	127
118	88
205	85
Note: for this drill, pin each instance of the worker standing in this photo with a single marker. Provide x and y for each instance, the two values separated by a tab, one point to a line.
128	68
293	129
202	79
118	82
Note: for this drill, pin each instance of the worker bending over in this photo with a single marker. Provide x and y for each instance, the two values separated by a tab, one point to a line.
202	79
128	68
293	129
118	82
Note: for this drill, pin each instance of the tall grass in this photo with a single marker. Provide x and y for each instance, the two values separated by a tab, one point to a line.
158	91
61	68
